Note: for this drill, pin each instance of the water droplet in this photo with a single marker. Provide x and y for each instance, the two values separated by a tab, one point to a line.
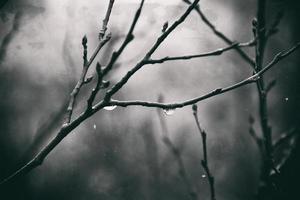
169	111
95	126
109	108
286	99
203	176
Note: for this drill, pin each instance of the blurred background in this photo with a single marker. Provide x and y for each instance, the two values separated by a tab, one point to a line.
120	154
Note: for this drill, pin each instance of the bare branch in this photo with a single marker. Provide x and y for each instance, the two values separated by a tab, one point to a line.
222	35
148	55
82	80
204	162
106	19
97	87
252	79
216	52
129	37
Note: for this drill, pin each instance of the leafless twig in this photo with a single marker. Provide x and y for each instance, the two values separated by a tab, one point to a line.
204	162
216	52
252	79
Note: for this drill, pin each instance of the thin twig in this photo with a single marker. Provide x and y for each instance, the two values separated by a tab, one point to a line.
252	79
222	35
216	52
82	79
204	162
129	37
97	87
106	19
148	55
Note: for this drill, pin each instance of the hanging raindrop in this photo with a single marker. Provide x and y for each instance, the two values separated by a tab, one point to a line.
95	126
169	111
109	108
286	99
203	176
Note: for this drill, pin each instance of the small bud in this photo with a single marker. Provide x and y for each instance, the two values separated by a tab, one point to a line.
84	40
98	68
89	79
165	26
195	107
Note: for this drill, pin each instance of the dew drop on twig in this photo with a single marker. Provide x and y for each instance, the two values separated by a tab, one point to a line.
169	111
109	108
286	99
203	176
95	126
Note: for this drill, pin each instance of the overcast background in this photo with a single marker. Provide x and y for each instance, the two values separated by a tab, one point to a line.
119	154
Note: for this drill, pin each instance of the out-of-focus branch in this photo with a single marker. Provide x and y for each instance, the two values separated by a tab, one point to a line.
177	154
254	135
11	34
216	52
222	35
273	28
204	162
252	79
285	137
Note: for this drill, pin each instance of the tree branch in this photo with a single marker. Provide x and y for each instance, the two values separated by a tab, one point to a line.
204	162
216	52
148	55
129	37
252	79
69	125
82	80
